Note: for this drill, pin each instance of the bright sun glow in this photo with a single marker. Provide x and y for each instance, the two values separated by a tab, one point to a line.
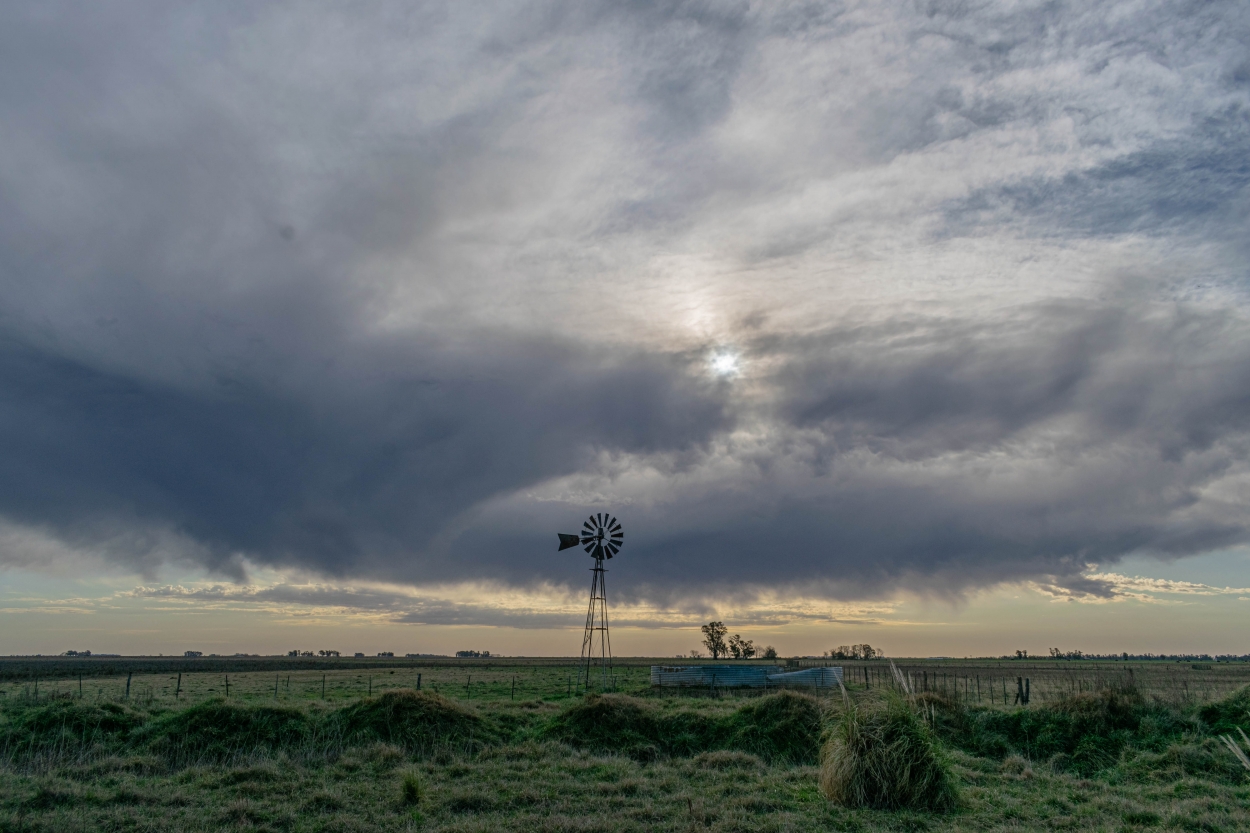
725	364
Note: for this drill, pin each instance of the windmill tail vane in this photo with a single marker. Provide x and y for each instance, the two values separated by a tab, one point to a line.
602	537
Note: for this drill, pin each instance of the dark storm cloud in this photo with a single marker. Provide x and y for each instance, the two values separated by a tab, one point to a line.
345	480
941	456
398	295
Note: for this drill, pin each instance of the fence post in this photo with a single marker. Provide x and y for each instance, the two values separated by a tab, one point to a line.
1026	691
129	674
227	686
514	686
323	686
80	686
178	688
418	682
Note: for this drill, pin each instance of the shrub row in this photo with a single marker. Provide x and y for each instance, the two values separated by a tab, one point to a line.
1082	734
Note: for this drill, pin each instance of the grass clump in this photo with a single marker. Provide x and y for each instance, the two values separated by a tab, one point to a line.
783	727
410	788
613	723
217	730
1228	715
1082	734
413	720
879	754
65	726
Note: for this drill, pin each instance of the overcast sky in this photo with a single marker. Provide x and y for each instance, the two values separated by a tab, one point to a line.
834	301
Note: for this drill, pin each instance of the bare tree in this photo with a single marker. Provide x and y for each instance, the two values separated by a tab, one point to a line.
714	639
770	652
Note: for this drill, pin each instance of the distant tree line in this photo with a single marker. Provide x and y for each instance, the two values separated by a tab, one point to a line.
1125	656
861	651
473	654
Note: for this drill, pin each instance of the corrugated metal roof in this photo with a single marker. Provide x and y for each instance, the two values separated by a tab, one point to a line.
742	676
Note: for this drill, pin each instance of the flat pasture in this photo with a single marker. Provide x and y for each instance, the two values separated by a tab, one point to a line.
348	745
990	683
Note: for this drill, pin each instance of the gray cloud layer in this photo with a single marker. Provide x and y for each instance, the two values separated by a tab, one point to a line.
399	294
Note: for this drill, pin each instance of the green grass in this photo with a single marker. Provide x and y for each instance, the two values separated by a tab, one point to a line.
1110	760
879	753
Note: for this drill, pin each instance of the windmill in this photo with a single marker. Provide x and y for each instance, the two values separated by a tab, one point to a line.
602	538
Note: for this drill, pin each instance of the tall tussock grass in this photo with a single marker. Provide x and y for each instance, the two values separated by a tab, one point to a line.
878	753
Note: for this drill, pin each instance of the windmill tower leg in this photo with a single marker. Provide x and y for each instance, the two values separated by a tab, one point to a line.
596	623
605	639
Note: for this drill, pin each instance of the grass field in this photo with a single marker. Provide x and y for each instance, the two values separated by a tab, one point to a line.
301	680
1094	750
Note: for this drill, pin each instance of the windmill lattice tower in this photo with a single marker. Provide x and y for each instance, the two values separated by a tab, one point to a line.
602	537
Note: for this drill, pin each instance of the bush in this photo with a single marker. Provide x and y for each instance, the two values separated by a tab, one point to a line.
1083	733
880	754
615	723
413	720
217	730
1229	714
68	724
782	727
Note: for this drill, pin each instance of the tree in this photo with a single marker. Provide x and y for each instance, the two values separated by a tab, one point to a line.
1022	654
770	652
741	648
696	654
714	639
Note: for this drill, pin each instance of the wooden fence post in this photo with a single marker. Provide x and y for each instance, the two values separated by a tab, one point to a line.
418	682
129	674
178	688
227	686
